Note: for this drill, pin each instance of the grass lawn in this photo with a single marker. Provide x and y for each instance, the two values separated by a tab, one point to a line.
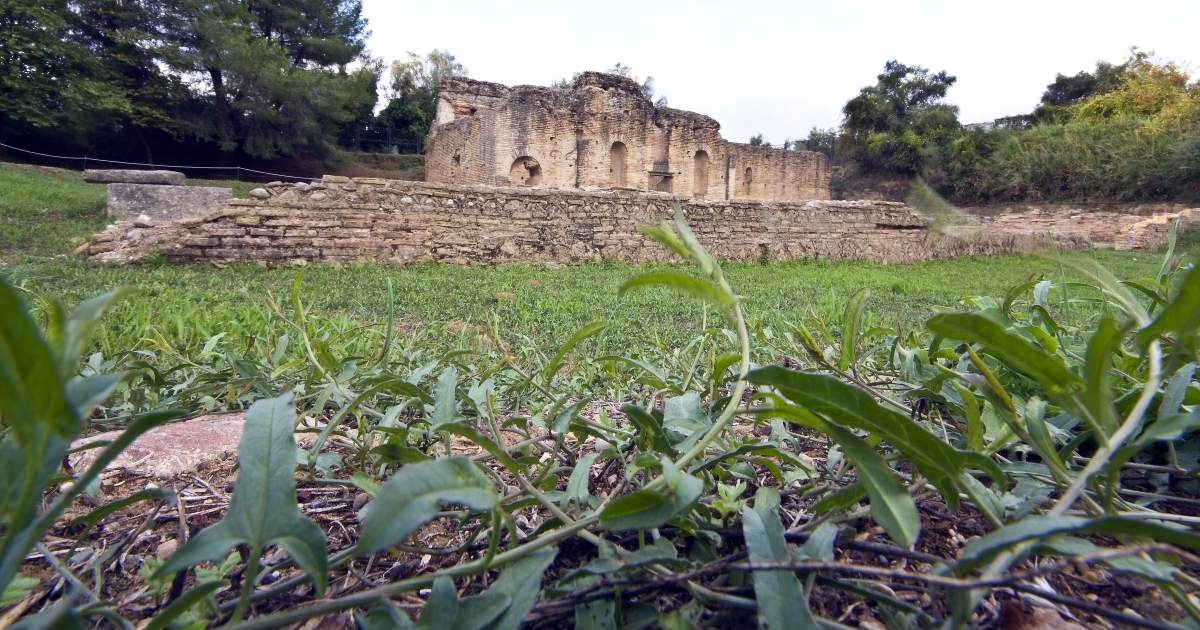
44	211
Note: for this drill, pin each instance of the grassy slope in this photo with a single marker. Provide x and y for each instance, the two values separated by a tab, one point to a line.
40	211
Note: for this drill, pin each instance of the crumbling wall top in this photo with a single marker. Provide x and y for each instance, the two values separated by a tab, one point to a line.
606	81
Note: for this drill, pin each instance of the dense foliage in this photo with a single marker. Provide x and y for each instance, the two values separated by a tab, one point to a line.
1125	132
891	125
412	97
260	79
1138	139
783	474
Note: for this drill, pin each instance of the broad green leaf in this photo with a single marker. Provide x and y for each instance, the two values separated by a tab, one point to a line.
480	395
1098	389
851	320
1176	391
444	408
651	433
683	417
781	601
445	611
645	509
396	454
263	508
973	417
521	582
577	485
721	365
483	441
980	551
410	498
384	617
1035	424
1149	569
849	496
25	530
79	327
819	545
697	288
599	614
31	391
699	254
581	335
1180	316
85	392
665	235
852	407
17	590
562	420
891	505
1011	349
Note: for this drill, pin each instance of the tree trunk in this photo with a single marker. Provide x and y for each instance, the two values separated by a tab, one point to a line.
225	131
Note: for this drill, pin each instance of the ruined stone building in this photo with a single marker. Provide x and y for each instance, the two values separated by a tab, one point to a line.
603	132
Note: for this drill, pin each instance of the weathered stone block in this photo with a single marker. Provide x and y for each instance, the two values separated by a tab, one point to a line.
132	176
164	203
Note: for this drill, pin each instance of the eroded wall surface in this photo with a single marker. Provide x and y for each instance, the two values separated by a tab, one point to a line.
401	222
603	133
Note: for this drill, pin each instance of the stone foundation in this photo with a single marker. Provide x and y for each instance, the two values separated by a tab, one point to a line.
402	222
1114	226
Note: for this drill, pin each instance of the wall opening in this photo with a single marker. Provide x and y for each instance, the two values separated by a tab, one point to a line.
525	171
747	180
700	175
616	165
663	182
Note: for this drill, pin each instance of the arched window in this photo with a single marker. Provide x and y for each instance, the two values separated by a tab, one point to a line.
525	171
747	180
700	175
616	165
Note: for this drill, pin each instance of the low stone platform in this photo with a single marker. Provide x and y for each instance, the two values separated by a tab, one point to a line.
343	220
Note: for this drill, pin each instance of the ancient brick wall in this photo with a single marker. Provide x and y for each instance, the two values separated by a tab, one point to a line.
401	221
603	132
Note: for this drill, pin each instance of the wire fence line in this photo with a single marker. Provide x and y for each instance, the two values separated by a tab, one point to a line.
86	160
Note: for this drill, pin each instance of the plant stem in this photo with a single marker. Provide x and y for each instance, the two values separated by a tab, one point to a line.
248	578
374	595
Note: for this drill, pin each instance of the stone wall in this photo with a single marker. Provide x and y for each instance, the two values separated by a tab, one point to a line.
602	132
401	221
1123	226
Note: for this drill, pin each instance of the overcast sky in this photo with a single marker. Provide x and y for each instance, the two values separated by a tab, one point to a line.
780	68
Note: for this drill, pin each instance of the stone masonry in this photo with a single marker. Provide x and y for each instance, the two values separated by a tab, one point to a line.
603	133
155	196
394	221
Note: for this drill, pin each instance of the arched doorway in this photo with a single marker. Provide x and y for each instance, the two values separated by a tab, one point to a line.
747	181
525	171
700	175
616	165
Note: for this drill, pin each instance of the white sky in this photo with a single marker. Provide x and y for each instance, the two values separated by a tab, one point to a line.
780	68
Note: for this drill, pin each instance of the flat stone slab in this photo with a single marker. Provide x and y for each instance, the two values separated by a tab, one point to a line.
161	203
177	448
129	176
171	449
